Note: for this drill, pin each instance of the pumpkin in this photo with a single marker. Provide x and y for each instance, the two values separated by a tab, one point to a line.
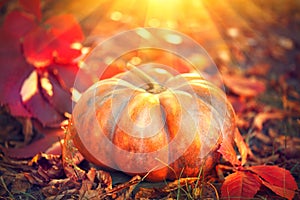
153	121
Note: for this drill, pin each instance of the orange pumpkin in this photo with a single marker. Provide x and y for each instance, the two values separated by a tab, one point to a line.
153	121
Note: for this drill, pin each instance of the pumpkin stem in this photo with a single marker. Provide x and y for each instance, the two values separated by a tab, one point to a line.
154	86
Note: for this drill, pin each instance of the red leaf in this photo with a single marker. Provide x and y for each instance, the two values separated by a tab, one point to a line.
51	135
283	192
242	86
32	6
60	99
43	111
64	53
53	41
65	28
242	146
65	74
37	47
18	24
36	104
228	152
279	180
240	185
13	71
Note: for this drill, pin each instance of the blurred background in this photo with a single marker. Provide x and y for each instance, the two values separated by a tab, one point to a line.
236	32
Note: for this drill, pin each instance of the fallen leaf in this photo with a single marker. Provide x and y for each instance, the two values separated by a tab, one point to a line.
228	152
123	191
87	182
261	69
45	167
261	118
283	192
20	184
71	156
104	179
242	146
263	137
49	136
279	180
61	188
243	86
288	145
240	185
239	105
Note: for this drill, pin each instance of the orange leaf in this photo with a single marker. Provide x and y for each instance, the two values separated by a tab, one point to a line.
261	118
65	28
284	192
53	41
240	185
38	48
279	180
228	152
244	86
242	146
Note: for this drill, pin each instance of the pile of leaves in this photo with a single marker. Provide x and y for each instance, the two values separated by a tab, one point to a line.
38	63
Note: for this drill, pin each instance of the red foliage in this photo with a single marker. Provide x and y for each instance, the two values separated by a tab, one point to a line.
32	6
37	66
241	184
246	181
242	146
228	153
277	179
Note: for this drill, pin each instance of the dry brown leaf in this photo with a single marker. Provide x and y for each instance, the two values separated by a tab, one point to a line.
122	191
71	156
288	145
261	69
291	105
262	137
244	86
60	187
104	179
263	117
87	183
45	167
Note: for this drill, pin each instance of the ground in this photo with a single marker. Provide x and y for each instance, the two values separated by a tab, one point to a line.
256	47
